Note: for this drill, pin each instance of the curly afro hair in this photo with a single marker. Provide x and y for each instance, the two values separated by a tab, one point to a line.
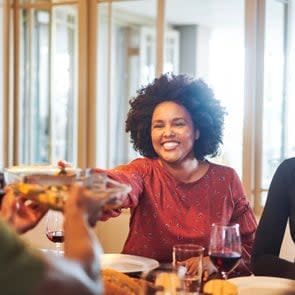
205	110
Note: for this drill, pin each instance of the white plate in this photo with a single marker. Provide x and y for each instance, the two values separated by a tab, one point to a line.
128	263
51	252
264	285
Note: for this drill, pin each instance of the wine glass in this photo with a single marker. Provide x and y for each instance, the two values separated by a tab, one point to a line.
225	247
55	230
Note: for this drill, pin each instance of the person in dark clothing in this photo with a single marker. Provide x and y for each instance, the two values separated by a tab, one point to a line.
280	206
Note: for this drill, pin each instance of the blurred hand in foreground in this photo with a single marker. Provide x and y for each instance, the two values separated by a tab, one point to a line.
20	213
83	200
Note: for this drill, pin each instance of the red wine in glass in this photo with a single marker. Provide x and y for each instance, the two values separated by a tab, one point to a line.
54	229
225	248
225	262
55	236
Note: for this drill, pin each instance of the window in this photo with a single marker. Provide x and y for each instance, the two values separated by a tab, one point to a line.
126	60
79	62
48	94
211	47
278	114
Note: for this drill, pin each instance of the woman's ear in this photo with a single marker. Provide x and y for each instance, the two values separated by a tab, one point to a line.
197	134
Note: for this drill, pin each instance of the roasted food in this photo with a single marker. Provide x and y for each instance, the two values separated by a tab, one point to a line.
53	190
220	287
53	196
117	283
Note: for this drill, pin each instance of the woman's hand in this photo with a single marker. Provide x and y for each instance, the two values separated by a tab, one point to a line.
19	214
191	265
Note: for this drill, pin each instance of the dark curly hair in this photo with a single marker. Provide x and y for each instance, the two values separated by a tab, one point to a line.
205	110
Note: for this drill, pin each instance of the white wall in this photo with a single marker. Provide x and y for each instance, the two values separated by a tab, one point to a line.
113	233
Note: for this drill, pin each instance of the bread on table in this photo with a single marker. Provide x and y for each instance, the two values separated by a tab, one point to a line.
117	283
220	287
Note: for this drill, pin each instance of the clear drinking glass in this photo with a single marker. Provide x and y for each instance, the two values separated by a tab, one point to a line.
55	229
163	280
225	248
188	262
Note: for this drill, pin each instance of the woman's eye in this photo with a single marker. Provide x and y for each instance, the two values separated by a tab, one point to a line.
179	124
157	126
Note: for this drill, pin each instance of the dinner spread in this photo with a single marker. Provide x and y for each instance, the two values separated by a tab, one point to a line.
220	287
53	189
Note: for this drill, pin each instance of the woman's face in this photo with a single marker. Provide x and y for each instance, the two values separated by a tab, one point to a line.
172	132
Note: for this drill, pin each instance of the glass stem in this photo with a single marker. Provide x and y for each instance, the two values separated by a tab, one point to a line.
224	275
58	249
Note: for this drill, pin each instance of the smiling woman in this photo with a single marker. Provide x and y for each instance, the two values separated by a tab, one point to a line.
175	123
172	135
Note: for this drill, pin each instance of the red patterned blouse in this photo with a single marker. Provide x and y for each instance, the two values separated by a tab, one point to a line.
165	212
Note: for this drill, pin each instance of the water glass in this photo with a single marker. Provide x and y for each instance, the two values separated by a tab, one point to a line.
163	280
188	262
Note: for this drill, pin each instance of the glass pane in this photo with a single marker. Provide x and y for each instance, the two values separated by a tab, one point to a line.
64	83
34	99
132	63
211	47
273	100
47	84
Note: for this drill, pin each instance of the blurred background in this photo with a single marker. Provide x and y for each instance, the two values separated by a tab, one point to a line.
69	67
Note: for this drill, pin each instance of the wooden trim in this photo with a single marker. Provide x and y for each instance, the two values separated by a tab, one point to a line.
254	75
6	75
259	103
82	86
92	58
86	137
16	71
42	5
250	86
160	37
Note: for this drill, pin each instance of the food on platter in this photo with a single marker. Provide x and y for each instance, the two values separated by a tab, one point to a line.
220	287
53	196
117	283
53	190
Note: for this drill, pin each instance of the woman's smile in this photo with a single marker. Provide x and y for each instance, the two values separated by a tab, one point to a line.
172	132
170	145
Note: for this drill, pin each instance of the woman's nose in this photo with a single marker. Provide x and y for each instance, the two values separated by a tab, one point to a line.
169	131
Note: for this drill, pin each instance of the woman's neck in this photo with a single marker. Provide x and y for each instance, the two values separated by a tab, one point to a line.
187	171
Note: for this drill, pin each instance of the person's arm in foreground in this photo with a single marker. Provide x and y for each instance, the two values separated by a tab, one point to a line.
21	216
77	273
272	225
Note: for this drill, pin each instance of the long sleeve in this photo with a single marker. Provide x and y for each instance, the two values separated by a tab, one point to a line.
244	216
21	268
131	174
279	207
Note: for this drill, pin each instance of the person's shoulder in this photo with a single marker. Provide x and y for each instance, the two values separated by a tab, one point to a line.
290	162
143	161
287	167
144	164
221	168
